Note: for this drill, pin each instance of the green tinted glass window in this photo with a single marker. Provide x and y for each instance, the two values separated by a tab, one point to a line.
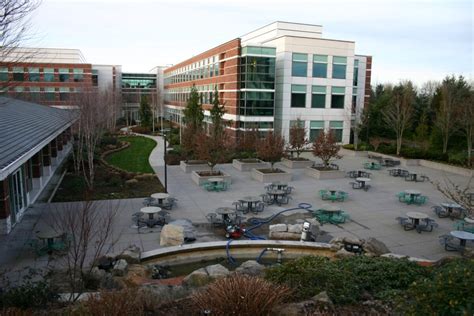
318	89
318	101
339	60
338	71
320	58
3	73
337	101
320	70
338	90
298	88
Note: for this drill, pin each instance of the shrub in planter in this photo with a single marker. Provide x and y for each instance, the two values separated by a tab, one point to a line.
325	148
271	148
298	141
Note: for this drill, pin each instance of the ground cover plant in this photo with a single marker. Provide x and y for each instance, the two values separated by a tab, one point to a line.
135	157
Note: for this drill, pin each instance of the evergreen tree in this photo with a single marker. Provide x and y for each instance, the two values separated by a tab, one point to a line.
145	112
217	112
193	118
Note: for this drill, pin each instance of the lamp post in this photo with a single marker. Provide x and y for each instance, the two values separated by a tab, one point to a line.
163	133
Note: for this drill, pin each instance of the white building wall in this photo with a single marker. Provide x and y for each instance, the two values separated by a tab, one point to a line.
284	113
106	76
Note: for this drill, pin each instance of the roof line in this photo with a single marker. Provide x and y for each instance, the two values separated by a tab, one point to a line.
280	22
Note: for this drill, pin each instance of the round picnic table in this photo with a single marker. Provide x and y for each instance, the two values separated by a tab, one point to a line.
450	207
150	210
412	194
416	216
160	197
462	236
49	235
251	201
276	194
279	185
225	212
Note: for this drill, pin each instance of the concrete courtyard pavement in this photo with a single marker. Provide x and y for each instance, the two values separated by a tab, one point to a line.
372	213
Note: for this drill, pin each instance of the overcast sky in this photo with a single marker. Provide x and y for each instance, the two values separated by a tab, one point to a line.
418	40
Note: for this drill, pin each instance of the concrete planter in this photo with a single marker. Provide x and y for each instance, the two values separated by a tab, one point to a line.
194	165
242	165
352	153
199	180
271	177
325	174
296	164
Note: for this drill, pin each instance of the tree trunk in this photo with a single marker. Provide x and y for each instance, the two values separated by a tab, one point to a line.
469	149
399	145
356	141
445	143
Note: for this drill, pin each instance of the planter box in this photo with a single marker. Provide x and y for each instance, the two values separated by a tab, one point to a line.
271	177
296	164
352	153
199	180
194	165
325	174
247	166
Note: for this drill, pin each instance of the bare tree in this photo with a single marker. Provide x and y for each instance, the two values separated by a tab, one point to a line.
13	25
89	230
399	112
458	193
91	124
359	121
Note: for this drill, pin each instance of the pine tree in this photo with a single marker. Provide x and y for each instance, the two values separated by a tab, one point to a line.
145	112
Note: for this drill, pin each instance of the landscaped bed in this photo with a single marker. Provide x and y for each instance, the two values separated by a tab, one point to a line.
135	157
124	182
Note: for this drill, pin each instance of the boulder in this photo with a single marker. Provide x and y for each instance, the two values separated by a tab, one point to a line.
278	228
343	253
353	241
197	278
171	235
295	228
131	182
217	271
375	247
120	268
106	261
131	254
251	267
137	274
337	241
110	282
284	236
323	298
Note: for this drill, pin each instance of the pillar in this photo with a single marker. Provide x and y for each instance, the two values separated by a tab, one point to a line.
46	154
37	168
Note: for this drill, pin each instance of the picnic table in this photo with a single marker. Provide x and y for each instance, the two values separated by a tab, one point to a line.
362	181
450	207
279	185
333	194
226	213
276	194
462	236
397	172
416	217
251	201
359	173
372	165
160	197
52	240
412	195
331	214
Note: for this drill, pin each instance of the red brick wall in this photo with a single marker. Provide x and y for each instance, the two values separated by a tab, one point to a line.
70	83
368	76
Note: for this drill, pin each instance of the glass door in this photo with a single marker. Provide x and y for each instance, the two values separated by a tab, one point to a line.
17	193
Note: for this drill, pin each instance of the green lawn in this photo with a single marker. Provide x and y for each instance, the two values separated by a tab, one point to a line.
135	157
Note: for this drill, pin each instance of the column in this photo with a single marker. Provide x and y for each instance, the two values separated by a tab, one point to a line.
59	141
5	222
46	154
37	167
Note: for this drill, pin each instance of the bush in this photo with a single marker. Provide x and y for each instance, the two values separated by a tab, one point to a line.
124	302
348	146
458	158
450	291
108	140
28	295
308	276
347	279
141	129
240	295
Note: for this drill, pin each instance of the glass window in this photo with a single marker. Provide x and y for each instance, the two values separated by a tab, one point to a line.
300	65
318	98
18	74
34	93
48	74
337	128
33	74
337	97
78	74
63	94
63	74
339	67
315	127
320	66
49	94
3	73
298	96
19	89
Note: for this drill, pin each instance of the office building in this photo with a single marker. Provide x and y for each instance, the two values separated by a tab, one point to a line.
273	76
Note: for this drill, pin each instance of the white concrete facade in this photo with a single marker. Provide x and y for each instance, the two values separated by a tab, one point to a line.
290	38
